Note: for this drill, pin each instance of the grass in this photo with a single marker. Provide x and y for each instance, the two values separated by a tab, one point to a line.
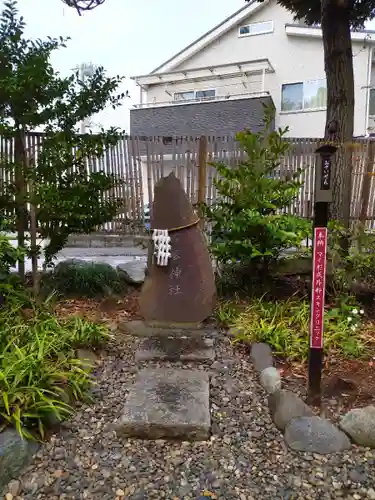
40	374
284	325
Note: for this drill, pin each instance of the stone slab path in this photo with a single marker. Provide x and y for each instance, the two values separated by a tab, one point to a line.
172	348
167	403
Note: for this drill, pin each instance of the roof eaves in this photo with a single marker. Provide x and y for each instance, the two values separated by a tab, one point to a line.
246	7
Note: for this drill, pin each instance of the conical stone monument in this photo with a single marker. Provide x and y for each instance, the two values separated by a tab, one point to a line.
180	286
177	296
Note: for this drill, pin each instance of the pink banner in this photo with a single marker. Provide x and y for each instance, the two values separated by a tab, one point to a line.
318	287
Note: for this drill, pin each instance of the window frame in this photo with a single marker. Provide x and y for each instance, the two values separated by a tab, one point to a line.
271	30
195	98
183	92
303	108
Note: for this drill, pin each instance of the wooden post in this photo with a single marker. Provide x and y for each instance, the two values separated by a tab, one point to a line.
323	197
28	160
202	176
366	186
20	197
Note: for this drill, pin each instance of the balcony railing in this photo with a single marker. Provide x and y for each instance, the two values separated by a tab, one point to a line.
228	97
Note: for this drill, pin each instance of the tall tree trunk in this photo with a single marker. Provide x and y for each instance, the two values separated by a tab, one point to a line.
338	63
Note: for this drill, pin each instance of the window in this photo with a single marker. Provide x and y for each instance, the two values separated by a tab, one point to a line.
184	96
372	103
304	95
192	95
256	28
292	97
205	94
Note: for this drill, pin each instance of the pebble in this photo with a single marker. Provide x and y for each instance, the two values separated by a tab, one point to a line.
14	488
246	457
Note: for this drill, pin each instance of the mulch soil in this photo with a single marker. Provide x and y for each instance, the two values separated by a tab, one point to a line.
112	309
346	383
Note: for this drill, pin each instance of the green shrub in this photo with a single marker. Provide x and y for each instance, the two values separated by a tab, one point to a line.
40	375
285	327
358	264
84	279
247	222
9	256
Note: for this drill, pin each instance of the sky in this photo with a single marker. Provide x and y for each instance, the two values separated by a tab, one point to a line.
127	37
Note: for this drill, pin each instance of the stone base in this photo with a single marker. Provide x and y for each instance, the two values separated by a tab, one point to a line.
167	403
171	348
142	329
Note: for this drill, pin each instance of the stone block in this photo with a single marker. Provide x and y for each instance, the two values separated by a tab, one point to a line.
315	435
172	348
87	357
261	356
133	272
270	379
167	403
284	406
359	424
15	454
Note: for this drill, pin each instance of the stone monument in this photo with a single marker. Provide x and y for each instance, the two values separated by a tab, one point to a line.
180	286
177	296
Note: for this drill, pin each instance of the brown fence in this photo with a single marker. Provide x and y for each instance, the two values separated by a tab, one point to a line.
141	162
191	160
123	160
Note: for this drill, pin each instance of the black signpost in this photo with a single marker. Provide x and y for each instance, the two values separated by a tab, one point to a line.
323	196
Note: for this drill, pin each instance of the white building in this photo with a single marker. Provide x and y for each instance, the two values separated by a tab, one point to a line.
258	55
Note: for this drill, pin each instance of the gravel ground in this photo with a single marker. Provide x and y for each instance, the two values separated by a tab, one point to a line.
245	458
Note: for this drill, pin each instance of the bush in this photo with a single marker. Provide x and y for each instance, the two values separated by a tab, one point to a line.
40	375
9	256
247	222
84	279
356	265
285	327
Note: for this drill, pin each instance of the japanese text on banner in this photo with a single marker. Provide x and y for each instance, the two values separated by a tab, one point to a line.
318	288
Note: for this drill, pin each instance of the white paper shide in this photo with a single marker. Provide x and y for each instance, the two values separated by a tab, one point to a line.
162	246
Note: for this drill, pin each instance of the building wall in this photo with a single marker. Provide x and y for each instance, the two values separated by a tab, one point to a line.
204	118
295	59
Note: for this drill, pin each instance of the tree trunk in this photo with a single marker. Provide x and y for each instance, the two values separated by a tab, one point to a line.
338	63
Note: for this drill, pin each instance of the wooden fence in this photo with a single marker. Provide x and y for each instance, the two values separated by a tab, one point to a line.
140	162
185	156
122	160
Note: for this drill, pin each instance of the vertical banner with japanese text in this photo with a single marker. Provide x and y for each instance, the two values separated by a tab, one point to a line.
318	287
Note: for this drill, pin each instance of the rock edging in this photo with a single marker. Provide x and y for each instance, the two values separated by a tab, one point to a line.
15	454
303	431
